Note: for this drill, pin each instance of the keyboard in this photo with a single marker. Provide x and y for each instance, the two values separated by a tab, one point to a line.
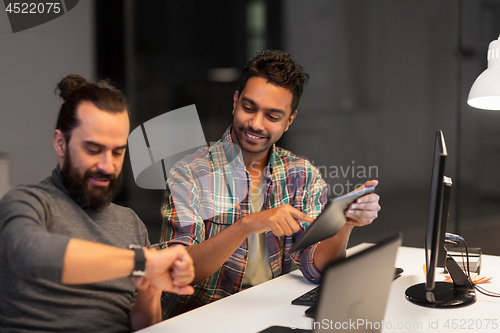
311	297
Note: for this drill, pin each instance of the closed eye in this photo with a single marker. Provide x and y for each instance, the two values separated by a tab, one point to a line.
118	153
93	151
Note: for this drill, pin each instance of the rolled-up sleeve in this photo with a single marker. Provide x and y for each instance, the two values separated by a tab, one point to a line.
313	203
182	224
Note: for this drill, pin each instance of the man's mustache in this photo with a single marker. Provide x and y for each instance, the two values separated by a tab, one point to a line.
99	175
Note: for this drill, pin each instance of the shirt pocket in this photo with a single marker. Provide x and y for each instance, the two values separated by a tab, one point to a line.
218	223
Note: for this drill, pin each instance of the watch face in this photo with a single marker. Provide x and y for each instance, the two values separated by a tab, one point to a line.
139	261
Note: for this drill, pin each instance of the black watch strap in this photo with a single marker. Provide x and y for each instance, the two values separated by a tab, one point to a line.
139	262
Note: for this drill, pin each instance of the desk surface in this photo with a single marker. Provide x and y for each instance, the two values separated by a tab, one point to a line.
268	304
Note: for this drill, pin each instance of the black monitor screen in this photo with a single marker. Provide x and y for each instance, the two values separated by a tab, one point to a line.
435	210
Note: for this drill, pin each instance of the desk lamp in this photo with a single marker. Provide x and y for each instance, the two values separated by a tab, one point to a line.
485	92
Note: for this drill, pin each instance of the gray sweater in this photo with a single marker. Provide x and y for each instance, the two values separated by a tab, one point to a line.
36	223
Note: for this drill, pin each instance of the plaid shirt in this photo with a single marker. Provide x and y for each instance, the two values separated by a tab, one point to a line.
208	192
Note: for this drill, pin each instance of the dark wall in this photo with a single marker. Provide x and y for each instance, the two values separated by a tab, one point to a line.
385	75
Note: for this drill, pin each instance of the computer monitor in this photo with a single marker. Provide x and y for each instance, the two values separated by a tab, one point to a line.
431	293
441	259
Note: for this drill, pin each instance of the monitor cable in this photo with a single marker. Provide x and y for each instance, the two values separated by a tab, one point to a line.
455	239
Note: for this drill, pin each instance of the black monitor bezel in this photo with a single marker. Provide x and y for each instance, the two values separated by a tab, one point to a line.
434	219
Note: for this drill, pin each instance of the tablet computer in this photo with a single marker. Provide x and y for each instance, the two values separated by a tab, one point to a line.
330	221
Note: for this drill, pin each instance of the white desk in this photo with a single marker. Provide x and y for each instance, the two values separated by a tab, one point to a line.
268	304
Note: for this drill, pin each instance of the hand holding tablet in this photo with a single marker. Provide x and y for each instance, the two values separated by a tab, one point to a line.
331	219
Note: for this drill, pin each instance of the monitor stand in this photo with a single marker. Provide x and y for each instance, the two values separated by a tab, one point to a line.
445	294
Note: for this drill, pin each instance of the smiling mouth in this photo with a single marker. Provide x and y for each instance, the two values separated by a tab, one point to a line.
99	181
252	136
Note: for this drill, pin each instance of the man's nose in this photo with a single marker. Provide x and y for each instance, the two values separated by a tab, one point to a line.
256	122
105	164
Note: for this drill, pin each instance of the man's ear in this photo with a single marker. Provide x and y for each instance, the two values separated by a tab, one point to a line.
236	96
290	119
60	144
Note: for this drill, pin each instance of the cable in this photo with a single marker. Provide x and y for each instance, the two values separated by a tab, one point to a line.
486	292
480	289
455	239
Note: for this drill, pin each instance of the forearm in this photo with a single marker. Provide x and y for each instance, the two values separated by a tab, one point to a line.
332	248
209	255
147	310
89	262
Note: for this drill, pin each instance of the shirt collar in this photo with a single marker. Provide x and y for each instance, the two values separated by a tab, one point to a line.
56	178
232	150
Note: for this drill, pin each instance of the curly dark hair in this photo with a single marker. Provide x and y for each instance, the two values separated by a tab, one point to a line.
279	68
74	89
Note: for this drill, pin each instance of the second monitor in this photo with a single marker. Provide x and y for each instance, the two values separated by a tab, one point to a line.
440	294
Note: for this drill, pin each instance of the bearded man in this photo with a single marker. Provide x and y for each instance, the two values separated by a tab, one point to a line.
70	260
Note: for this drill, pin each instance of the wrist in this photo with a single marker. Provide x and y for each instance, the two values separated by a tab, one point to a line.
347	228
151	293
149	259
244	226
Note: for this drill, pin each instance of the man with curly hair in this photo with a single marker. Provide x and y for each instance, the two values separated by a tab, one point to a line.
239	205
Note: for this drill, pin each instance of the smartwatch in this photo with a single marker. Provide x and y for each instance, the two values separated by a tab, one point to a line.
139	261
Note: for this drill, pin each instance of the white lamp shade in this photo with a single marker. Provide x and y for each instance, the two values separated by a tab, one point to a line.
485	92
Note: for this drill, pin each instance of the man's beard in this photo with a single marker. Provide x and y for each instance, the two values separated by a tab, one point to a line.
97	196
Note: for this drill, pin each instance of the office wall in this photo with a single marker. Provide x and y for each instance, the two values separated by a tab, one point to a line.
384	78
385	75
31	63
